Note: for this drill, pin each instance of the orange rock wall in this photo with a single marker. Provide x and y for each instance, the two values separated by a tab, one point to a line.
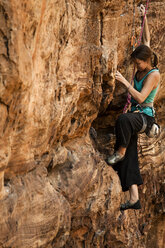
57	65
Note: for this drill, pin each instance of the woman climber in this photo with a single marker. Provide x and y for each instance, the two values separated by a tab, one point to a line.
146	81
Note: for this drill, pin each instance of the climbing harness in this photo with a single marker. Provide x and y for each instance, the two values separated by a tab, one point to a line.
144	124
135	44
153	132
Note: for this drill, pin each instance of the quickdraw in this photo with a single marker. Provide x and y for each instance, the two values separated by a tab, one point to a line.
134	42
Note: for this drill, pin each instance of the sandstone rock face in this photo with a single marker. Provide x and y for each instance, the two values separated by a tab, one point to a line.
57	65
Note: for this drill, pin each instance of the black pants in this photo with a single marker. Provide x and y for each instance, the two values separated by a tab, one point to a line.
127	128
127	125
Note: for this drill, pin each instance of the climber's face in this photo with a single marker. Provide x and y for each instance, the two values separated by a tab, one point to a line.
141	64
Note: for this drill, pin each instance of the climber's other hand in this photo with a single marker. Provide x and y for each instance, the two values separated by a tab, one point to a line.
142	10
119	77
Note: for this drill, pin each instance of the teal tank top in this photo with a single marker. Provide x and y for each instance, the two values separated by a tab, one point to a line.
138	86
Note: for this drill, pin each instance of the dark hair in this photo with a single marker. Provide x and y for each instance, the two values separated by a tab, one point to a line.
144	53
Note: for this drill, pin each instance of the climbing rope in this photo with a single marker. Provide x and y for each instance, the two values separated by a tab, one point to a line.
134	44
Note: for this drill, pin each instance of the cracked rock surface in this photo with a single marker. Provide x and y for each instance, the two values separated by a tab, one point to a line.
58	106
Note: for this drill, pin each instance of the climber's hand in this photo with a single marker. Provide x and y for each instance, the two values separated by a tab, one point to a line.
142	10
120	78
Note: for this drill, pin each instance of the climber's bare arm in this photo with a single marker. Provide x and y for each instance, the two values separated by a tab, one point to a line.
146	33
150	83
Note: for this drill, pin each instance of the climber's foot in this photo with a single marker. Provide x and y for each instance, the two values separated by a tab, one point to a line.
129	205
115	158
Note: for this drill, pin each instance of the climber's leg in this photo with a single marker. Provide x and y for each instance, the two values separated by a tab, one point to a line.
134	202
126	125
134	194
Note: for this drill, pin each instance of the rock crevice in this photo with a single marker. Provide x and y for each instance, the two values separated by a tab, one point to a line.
58	106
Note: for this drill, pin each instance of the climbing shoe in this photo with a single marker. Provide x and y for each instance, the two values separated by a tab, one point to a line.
128	205
115	158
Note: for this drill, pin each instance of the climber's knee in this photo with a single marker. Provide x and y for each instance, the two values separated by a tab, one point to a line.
122	118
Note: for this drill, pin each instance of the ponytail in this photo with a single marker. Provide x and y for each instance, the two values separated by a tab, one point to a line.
154	59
